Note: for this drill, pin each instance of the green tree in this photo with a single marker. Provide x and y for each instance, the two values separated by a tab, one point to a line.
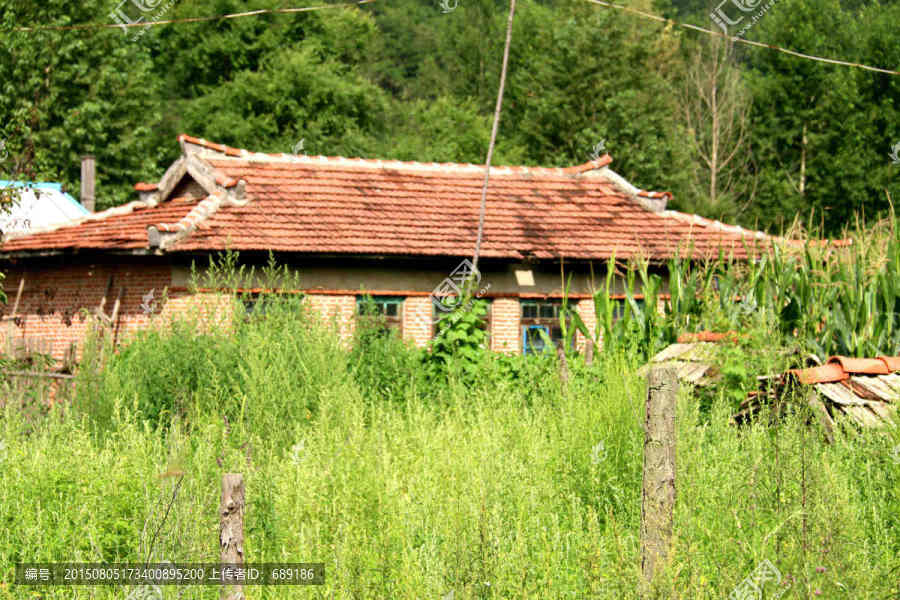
74	92
821	133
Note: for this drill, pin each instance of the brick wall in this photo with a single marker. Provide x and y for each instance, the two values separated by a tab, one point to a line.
57	302
505	331
585	310
56	308
53	311
337	312
417	320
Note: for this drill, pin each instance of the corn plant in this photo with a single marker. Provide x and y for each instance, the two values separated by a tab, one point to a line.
817	301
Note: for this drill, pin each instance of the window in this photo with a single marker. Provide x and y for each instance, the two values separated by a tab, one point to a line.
538	316
387	310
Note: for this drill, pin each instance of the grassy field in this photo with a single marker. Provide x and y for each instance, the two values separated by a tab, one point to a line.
506	485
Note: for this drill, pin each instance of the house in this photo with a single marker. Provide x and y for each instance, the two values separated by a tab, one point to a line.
37	206
399	231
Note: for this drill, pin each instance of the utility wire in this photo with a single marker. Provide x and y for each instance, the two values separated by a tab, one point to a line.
740	40
251	13
634	11
490	153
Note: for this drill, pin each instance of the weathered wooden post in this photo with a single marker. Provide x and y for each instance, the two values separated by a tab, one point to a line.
231	529
563	365
659	471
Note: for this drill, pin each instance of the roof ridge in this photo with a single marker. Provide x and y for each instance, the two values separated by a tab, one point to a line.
164	235
717	225
652	201
229	152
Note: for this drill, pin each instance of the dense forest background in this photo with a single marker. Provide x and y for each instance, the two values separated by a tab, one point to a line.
743	134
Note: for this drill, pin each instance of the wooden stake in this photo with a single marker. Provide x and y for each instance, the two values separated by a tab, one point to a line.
113	324
231	529
658	504
116	304
563	365
18	295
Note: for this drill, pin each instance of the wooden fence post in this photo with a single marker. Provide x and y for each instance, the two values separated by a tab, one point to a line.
231	529
658	503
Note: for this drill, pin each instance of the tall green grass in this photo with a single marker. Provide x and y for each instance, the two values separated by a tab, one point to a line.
513	486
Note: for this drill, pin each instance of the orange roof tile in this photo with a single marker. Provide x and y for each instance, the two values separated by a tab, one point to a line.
337	205
861	366
707	336
828	373
841	368
120	228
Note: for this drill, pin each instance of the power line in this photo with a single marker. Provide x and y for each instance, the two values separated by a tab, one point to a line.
740	40
251	13
264	11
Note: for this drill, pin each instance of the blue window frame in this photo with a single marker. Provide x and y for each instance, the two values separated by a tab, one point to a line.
532	340
540	315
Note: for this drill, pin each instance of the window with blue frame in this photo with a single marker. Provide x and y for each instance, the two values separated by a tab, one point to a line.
387	311
540	316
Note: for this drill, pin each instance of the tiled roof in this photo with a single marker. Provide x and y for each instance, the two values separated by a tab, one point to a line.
120	228
335	205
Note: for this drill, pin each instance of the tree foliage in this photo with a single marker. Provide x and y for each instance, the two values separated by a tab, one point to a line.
414	81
